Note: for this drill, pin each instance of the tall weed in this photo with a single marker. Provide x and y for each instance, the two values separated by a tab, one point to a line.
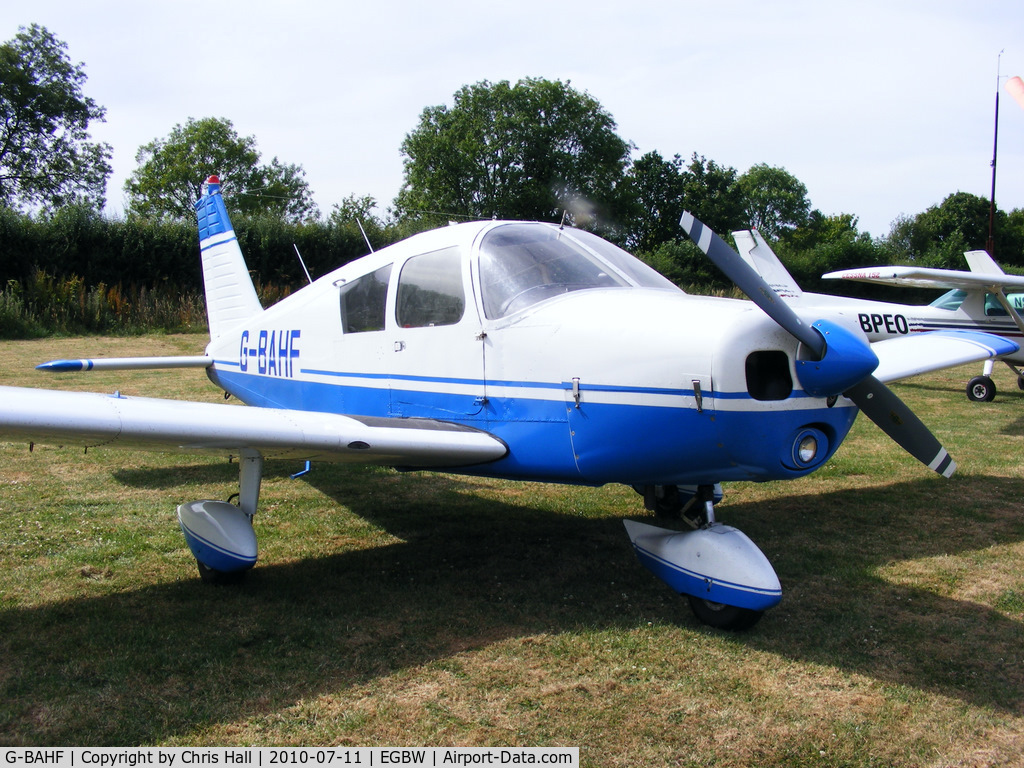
47	305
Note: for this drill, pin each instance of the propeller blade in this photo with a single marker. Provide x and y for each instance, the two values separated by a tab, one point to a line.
751	283
893	417
875	399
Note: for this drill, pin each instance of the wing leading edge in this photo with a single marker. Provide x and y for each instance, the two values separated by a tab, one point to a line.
921	277
92	419
935	350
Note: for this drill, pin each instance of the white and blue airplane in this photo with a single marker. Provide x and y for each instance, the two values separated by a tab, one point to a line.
984	299
517	350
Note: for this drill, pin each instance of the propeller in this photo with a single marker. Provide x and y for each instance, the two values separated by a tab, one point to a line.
839	361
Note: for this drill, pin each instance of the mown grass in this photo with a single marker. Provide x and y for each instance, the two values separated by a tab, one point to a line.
431	609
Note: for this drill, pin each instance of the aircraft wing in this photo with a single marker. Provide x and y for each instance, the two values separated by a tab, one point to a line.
920	277
90	419
935	350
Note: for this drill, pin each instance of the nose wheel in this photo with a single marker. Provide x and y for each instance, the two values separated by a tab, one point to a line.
693	504
712	565
721	616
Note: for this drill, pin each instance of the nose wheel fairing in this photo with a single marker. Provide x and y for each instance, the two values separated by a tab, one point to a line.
716	563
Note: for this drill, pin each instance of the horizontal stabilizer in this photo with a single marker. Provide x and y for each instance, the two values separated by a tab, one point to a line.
935	350
126	363
49	416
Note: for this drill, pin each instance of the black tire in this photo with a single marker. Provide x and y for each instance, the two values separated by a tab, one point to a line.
218	578
981	389
722	616
1020	382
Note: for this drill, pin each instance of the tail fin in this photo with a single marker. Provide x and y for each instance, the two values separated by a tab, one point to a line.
980	261
756	252
230	295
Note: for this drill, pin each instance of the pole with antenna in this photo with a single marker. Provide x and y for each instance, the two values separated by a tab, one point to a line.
990	244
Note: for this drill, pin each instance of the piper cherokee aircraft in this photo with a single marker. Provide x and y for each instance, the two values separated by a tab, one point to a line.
514	350
977	300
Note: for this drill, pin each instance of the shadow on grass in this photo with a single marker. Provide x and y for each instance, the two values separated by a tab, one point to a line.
150	664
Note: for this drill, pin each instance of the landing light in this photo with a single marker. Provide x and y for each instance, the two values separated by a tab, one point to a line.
807	449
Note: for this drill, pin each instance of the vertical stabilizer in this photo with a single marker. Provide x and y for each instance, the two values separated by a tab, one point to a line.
981	262
230	295
757	253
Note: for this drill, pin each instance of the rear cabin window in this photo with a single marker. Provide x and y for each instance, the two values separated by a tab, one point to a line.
363	302
430	291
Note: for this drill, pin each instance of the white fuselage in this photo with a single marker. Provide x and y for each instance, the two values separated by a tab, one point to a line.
633	382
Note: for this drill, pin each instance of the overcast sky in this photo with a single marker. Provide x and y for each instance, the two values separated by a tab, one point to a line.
881	108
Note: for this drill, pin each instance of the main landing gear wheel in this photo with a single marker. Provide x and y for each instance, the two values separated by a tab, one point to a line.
981	389
728	617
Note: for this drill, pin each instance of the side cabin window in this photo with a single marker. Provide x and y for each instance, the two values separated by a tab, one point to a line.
363	301
430	290
994	309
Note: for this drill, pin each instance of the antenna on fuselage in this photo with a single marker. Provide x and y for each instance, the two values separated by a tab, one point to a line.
302	262
360	225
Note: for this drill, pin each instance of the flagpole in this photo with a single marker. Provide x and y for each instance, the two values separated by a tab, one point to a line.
990	245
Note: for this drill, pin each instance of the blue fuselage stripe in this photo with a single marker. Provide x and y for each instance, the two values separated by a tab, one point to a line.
597	443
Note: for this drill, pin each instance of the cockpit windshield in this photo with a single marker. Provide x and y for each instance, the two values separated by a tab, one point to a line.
523	264
950	300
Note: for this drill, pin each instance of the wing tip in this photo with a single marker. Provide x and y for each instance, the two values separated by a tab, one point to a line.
65	365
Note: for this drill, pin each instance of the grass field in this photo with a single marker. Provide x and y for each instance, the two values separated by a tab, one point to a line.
430	609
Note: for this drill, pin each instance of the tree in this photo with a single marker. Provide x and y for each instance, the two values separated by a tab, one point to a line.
529	151
827	244
939	236
656	189
775	200
354	208
357	213
712	194
171	173
661	190
46	157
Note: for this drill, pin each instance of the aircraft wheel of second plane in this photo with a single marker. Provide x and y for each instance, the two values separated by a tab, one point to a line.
981	389
721	616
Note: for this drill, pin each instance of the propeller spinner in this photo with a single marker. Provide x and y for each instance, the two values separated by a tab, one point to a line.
839	362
